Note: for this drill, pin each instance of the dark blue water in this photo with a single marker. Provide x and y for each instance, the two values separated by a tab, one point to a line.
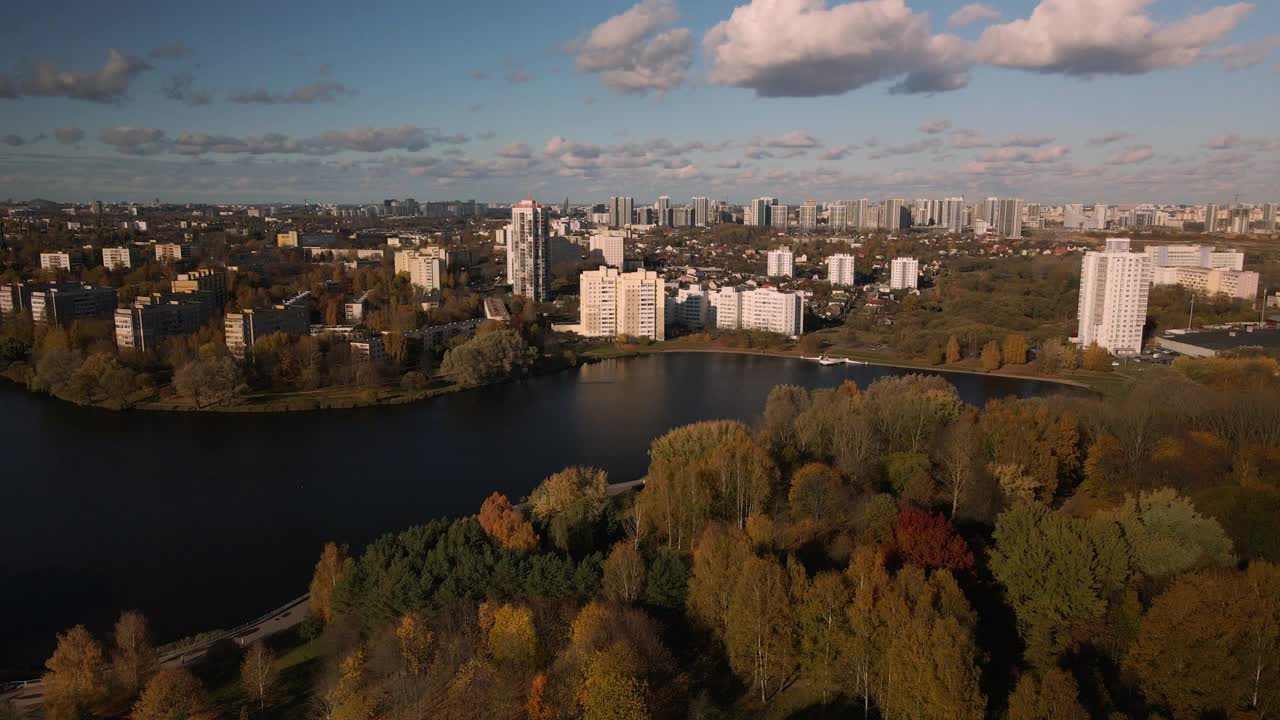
205	520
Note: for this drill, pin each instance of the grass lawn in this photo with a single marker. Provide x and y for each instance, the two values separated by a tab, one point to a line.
297	660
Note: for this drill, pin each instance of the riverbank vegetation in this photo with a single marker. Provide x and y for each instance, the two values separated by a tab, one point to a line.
873	552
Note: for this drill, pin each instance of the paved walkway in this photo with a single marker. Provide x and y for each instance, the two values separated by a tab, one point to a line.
27	694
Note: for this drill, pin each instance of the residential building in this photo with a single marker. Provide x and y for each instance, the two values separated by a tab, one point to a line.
1269	217
991	211
1100	216
1010	216
620	211
891	214
860	214
530	265
367	349
838	215
151	319
904	273
663	207
63	306
840	270
1211	218
953	214
1203	256
1239	219
1114	284
682	216
614	304
1073	216
353	311
435	338
609	245
117	258
756	213
1209	281
781	263
287	239
701	211
779	216
764	309
204	280
690	308
1033	215
245	328
172	252
424	266
809	215
67	261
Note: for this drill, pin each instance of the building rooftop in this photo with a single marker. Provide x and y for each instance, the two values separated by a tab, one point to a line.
1229	339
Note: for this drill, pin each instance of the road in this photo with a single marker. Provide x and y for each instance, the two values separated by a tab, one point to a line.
25	695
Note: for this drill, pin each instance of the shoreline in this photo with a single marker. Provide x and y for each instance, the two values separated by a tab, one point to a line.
286	403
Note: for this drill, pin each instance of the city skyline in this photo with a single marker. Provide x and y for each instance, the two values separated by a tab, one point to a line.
1054	100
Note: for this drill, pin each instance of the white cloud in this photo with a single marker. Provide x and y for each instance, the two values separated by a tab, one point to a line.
68	135
685	172
1245	55
972	13
1104	37
1108	138
1028	141
838	153
1023	155
933	127
793	139
107	84
908	149
1131	156
518	150
134	140
968	139
305	95
802	48
632	52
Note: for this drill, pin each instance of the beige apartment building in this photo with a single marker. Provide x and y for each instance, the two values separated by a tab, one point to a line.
615	303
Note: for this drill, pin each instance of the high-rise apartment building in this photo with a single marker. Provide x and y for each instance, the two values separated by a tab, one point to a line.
1211	218
613	304
809	215
609	245
953	214
1010	216
838	215
904	273
246	328
767	309
840	270
151	319
756	213
1240	219
779	215
205	280
701	211
781	263
1114	285
991	211
1269	217
61	261
63	306
425	266
891	214
663	206
1073	216
530	265
172	252
1033	215
117	258
620	211
1100	216
860	215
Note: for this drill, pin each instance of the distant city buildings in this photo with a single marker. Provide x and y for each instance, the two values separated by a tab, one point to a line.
205	280
701	211
67	261
614	304
425	267
63	305
840	270
117	258
172	252
1009	219
1114	285
528	251
808	219
779	216
780	263
904	273
1211	218
1242	285
621	210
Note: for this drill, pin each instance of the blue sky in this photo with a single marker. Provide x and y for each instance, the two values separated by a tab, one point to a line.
1055	100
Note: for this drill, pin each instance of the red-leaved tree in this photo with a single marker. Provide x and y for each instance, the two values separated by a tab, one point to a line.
929	540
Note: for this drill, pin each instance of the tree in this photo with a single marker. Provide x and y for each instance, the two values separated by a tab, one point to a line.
1197	651
814	490
1015	350
953	350
1059	573
610	689
513	639
760	636
667	581
1168	536
1053	698
1031	448
569	502
335	561
133	660
488	357
210	378
624	573
717	560
350	698
991	356
173	694
506	526
822	627
75	682
956	456
259	677
1096	358
929	541
416	642
537	707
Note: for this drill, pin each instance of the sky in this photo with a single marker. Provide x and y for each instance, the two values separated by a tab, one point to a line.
1117	101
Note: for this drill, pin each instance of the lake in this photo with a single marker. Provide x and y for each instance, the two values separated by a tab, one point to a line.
205	520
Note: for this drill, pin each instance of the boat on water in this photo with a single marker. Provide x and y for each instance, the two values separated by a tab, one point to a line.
825	360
